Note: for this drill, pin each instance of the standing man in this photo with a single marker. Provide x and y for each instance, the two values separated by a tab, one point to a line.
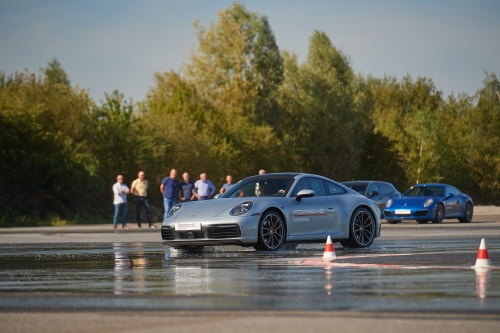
139	188
186	188
120	191
204	188
168	188
227	185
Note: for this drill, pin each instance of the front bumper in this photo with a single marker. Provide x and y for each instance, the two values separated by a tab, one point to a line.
216	231
415	214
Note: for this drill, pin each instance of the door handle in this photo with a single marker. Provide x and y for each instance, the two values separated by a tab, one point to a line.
330	207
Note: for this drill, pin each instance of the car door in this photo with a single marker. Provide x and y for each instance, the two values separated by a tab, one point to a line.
377	198
453	205
386	193
309	216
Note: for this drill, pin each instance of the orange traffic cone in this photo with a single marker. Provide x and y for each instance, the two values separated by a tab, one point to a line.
483	260
329	250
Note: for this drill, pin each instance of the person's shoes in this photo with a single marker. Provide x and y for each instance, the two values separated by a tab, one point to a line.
114	227
126	227
139	226
152	227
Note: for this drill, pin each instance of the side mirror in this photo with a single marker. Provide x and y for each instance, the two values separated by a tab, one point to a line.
399	195
304	194
217	195
372	194
449	195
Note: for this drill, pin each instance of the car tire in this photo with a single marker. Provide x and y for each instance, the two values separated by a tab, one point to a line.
422	221
439	214
272	232
362	229
468	213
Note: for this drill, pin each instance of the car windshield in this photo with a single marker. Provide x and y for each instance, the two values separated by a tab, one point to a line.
262	186
360	188
424	191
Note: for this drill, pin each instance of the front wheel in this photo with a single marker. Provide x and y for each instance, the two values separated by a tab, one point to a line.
439	214
468	212
272	232
361	229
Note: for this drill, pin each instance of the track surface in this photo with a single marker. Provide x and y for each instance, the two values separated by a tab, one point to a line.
93	279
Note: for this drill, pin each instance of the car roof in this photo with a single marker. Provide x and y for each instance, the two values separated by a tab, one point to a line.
431	184
364	181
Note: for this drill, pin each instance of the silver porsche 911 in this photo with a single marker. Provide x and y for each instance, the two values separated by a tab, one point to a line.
267	211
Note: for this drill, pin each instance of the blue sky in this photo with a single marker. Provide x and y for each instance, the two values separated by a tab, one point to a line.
106	45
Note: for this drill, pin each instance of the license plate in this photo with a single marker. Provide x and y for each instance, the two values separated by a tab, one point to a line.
403	212
188	226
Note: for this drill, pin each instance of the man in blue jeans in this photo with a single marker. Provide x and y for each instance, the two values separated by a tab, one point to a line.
120	192
168	188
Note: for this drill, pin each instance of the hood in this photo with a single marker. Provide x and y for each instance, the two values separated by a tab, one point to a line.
207	208
411	201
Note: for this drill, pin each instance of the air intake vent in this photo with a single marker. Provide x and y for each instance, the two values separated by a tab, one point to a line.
167	233
225	231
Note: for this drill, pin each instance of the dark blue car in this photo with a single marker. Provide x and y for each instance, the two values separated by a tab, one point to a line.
429	202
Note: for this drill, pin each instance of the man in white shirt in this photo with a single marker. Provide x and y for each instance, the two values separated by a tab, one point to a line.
120	191
204	188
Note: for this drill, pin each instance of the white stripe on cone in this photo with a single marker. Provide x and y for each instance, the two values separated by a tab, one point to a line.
483	259
329	250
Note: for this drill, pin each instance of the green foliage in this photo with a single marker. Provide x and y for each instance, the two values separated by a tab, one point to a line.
238	105
54	73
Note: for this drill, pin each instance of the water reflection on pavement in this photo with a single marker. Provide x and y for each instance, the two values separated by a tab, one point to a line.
401	275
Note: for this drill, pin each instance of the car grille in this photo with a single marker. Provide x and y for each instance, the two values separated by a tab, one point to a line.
167	233
225	231
388	213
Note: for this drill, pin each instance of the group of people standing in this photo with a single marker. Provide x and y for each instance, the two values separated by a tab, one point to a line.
170	188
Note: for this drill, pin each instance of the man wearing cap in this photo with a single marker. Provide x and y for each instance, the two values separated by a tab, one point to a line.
139	188
204	188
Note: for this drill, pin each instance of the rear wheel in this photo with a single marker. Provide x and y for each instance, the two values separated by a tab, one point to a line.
468	212
439	214
272	232
361	229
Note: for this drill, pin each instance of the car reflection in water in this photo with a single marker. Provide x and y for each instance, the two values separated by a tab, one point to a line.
128	271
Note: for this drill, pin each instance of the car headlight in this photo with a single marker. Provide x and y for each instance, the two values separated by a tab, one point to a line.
388	203
174	210
242	208
428	202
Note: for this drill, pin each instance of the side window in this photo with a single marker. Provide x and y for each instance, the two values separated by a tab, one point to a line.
310	184
449	190
373	187
384	188
334	189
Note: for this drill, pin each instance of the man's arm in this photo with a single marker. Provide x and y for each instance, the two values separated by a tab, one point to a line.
212	188
132	188
162	188
193	194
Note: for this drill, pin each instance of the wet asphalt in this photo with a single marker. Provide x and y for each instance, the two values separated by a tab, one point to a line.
410	267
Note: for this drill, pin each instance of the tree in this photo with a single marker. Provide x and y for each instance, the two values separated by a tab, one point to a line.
55	74
324	129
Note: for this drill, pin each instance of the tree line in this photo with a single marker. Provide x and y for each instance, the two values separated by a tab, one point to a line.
239	104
